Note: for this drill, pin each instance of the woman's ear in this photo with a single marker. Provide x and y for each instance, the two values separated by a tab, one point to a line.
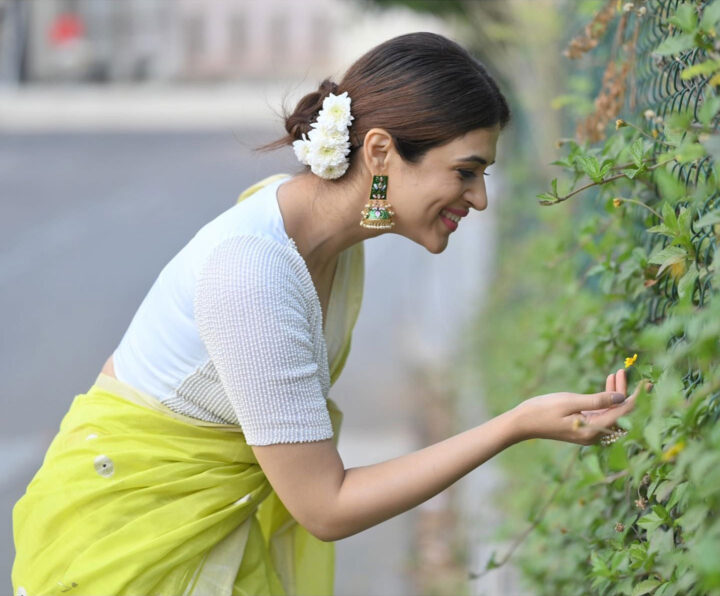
377	148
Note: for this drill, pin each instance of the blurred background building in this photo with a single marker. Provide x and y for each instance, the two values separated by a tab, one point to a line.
127	125
165	40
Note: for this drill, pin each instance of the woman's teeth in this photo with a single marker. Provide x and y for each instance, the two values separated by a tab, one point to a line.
451	216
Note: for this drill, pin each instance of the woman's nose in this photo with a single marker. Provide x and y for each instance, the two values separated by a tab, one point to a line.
478	198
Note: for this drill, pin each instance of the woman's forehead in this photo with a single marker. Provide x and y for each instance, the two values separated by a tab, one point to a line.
478	146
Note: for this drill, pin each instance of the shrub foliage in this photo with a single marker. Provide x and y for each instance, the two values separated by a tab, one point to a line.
621	262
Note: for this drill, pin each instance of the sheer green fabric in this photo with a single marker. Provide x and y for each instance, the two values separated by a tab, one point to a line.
135	499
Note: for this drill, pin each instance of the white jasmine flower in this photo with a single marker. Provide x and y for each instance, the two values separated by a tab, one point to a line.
327	144
335	112
302	150
329	136
649	114
331	172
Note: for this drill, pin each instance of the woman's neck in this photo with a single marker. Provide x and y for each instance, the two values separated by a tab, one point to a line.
323	218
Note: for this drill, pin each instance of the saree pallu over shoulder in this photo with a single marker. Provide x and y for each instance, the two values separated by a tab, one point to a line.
135	499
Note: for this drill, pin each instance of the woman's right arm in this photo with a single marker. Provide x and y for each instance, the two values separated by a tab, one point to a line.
334	503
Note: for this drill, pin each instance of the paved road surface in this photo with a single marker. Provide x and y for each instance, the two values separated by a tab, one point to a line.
88	220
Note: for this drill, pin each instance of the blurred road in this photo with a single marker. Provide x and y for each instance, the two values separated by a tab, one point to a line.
88	221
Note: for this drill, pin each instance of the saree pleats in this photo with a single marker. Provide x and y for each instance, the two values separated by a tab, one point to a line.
132	500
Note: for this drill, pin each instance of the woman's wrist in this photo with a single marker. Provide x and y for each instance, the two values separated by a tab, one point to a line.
516	419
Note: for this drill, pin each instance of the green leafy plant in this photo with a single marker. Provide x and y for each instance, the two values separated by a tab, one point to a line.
623	261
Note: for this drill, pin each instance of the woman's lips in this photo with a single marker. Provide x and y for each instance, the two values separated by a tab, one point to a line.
449	223
460	212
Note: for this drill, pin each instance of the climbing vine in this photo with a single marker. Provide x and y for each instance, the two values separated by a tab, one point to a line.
622	272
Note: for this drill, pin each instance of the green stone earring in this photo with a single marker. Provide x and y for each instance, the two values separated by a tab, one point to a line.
378	213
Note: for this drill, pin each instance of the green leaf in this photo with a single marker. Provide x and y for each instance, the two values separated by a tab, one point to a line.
687	283
701	68
633	172
605	167
617	458
636	152
647	586
693	517
709	219
650	522
686	18
599	566
548	197
710	16
590	166
690	152
652	433
661	542
669	186
709	109
675	45
669	217
661	229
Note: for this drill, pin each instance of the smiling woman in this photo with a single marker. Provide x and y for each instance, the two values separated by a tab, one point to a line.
203	460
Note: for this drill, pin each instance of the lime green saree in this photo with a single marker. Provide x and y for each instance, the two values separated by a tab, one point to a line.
135	499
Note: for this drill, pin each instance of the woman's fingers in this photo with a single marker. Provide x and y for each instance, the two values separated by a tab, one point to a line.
621	381
594	401
608	418
610	382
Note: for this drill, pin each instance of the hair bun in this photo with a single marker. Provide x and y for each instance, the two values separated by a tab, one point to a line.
298	123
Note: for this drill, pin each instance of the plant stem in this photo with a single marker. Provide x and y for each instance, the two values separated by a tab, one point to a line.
605	181
655	213
518	541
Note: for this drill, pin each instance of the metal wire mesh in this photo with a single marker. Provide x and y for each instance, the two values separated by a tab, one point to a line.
661	88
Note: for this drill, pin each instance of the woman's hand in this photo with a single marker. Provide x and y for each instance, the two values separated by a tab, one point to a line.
575	417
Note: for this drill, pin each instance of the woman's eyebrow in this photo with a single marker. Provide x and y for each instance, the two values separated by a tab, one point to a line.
477	158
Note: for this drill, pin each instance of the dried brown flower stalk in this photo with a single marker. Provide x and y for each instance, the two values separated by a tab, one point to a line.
593	32
607	104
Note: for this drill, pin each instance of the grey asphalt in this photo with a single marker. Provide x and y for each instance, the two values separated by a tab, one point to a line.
87	221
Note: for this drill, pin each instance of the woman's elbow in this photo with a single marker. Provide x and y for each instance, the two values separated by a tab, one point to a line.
323	530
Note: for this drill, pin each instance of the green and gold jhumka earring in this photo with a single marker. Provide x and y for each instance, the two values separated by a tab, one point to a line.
378	213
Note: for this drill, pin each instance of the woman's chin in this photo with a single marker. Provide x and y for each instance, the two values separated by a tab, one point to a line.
436	245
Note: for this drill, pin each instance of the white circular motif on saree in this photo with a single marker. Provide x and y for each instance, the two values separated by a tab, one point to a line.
91	436
243	500
104	466
21	591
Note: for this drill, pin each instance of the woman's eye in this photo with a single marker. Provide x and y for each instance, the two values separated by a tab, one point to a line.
467	174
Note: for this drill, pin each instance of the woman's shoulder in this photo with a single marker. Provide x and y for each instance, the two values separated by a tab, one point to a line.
256	264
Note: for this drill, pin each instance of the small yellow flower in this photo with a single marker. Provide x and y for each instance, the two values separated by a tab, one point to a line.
619	123
654	134
672	452
630	361
617	202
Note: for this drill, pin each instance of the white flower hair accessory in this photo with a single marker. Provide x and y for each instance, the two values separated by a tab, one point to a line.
326	147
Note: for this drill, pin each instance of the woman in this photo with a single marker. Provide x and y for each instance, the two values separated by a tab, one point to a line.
203	460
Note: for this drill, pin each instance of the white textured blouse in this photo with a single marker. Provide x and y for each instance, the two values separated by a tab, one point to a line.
231	331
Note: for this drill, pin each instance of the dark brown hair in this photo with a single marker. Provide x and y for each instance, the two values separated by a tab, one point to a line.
423	88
